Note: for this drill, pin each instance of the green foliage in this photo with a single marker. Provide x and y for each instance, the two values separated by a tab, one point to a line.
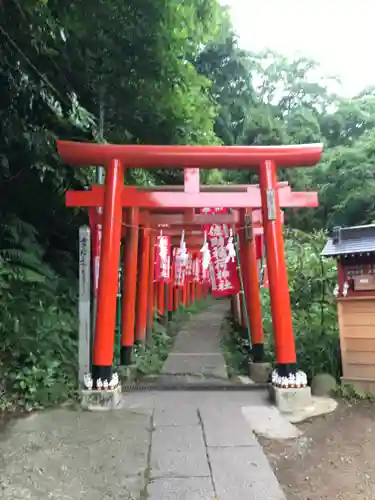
124	73
150	359
37	323
353	394
235	347
267	98
311	284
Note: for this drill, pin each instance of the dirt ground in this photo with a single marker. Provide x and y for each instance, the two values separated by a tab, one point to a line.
334	459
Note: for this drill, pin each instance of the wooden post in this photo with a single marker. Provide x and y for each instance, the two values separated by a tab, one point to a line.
142	288
108	274
129	287
253	302
176	302
277	272
151	288
170	292
84	304
193	298
243	293
183	294
188	293
160	291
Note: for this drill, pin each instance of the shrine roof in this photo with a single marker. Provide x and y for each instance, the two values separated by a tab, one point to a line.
350	241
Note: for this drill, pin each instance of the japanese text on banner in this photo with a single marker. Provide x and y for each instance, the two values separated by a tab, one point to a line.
163	259
179	268
223	273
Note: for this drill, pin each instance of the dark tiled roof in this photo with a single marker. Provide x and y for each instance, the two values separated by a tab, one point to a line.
351	240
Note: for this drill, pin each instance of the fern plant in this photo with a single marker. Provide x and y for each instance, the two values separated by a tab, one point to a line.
20	249
37	320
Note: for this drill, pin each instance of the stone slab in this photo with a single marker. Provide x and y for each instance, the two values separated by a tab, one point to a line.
320	406
245	380
181	489
241	473
290	400
179	415
75	455
198	365
178	452
267	421
183	439
168	464
225	426
197	342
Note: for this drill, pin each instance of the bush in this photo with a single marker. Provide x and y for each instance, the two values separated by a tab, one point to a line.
311	283
38	324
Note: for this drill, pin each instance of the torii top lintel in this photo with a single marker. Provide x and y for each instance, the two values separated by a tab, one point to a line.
141	156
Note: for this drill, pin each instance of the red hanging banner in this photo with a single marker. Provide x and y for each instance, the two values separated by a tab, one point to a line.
224	276
179	268
223	271
163	259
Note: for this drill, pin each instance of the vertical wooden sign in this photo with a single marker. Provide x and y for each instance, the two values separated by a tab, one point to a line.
84	309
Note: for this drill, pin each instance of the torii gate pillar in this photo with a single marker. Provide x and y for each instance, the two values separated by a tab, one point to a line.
129	288
251	285
142	288
108	273
151	288
277	273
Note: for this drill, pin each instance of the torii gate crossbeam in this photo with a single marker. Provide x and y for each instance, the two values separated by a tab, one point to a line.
137	198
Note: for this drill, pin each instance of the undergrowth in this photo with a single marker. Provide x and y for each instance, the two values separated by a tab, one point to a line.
311	284
38	323
235	348
353	394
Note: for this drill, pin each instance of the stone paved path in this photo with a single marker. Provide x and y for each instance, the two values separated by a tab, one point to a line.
160	446
197	349
202	447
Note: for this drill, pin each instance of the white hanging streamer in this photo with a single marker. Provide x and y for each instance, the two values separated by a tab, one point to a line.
163	250
205	251
184	256
231	251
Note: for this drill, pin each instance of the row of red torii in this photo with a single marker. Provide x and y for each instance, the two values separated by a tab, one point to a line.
173	207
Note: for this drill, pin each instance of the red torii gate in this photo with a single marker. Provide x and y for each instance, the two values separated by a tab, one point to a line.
114	196
134	311
247	254
178	221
